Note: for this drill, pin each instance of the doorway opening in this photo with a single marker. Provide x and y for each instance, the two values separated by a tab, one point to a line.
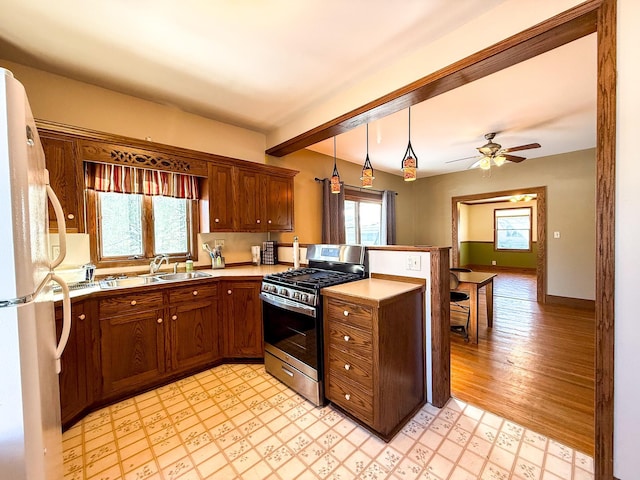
541	222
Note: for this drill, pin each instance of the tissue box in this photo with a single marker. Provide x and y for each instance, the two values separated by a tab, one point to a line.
269	253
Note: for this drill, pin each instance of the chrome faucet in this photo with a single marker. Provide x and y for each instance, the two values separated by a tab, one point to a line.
154	266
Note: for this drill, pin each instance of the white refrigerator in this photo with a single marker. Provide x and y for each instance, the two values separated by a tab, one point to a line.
30	430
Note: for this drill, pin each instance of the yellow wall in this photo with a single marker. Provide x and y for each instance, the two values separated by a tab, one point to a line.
479	219
60	99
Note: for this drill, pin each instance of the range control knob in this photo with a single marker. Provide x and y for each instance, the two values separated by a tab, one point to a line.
305	297
284	292
296	295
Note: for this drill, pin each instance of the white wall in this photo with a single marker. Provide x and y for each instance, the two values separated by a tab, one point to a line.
627	326
394	263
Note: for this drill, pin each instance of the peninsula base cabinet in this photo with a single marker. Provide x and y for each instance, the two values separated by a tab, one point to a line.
375	352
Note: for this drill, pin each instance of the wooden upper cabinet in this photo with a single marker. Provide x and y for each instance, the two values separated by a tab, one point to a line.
265	202
279	201
221	198
251	201
65	177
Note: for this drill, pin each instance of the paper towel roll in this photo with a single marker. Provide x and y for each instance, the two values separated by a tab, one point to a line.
296	253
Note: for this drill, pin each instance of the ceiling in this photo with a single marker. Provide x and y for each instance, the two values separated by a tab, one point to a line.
259	64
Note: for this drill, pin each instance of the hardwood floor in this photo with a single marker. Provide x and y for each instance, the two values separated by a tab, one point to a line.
534	367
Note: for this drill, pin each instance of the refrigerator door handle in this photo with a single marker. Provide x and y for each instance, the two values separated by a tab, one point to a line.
66	319
62	227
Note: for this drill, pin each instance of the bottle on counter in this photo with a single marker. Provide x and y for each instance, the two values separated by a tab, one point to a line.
189	265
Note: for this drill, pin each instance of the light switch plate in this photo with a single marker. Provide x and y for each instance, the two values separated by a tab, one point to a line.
218	243
556	234
413	262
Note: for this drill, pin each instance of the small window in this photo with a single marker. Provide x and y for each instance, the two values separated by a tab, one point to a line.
135	226
363	218
513	229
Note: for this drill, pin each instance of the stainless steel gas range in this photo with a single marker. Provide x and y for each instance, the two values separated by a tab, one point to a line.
292	315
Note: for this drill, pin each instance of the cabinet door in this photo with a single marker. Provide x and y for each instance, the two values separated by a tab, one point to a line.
63	176
251	201
221	198
194	333
73	377
132	351
279	204
243	319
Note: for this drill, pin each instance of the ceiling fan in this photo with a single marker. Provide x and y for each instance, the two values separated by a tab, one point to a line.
493	152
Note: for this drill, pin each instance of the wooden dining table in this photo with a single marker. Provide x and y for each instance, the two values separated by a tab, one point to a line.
473	281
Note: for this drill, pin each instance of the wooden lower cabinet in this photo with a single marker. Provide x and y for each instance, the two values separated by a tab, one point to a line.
193	319
127	341
242	319
75	362
143	346
132	350
375	352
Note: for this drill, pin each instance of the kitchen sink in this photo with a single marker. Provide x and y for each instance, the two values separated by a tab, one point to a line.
169	277
128	282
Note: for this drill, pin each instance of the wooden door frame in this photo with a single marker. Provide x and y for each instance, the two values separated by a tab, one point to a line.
583	19
541	229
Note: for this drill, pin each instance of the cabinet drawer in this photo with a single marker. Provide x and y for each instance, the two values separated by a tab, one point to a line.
351	313
349	339
351	368
351	398
192	293
130	303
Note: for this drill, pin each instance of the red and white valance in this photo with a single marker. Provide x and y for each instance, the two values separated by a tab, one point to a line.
105	177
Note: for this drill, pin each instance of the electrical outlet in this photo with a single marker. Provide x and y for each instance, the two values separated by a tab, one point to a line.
556	234
218	243
413	262
493	262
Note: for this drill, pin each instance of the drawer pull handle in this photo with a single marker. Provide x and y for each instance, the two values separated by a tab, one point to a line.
257	221
347	396
82	316
217	220
175	317
347	338
346	313
347	366
228	292
287	372
195	292
133	302
159	320
71	216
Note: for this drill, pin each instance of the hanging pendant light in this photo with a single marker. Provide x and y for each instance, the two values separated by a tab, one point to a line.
410	159
367	170
335	176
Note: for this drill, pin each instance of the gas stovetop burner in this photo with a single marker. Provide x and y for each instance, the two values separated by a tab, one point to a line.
312	277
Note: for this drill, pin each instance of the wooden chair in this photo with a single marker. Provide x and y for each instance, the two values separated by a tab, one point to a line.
456	299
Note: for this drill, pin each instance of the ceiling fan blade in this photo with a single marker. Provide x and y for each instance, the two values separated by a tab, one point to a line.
514	158
460	159
521	147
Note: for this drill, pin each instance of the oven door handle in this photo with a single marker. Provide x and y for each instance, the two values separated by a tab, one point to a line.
285	304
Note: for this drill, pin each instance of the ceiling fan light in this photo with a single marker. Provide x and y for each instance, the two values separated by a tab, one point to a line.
499	160
485	163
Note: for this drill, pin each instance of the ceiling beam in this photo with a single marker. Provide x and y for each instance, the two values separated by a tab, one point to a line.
543	37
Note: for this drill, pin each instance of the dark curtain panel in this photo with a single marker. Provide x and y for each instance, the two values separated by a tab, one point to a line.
332	214
389	217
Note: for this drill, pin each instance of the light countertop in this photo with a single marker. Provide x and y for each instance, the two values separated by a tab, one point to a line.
248	271
375	289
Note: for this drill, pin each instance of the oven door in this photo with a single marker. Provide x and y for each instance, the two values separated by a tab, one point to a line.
293	329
